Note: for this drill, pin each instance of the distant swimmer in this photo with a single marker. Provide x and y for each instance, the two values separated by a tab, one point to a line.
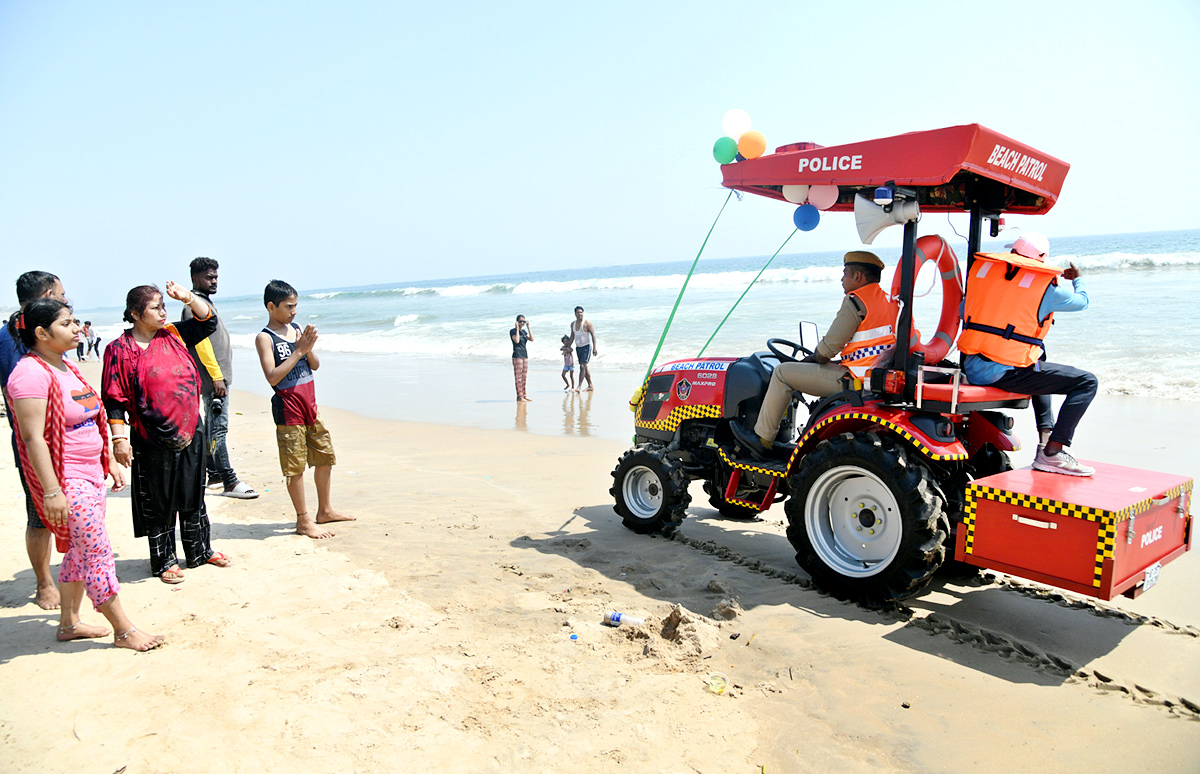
584	336
1006	315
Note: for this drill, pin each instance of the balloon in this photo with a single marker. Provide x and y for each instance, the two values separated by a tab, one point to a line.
725	150
752	144
736	123
823	196
806	217
796	194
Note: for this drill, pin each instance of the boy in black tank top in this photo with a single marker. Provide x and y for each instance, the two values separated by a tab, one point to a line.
286	355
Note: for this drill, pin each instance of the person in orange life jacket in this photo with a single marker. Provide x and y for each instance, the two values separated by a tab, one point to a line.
863	333
1002	343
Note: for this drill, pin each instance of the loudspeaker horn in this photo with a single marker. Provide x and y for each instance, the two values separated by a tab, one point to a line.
871	219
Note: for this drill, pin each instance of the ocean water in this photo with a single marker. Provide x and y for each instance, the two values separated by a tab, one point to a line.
1139	335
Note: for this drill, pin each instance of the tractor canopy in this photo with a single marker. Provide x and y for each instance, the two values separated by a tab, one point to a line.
956	169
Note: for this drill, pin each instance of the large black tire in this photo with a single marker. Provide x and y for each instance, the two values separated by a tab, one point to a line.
865	518
650	489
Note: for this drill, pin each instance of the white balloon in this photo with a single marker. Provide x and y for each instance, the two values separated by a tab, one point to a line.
796	194
823	196
736	123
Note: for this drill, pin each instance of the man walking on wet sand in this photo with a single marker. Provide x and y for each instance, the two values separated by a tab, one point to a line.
584	337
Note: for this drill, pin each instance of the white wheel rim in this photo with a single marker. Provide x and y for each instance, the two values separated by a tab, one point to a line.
853	521
643	492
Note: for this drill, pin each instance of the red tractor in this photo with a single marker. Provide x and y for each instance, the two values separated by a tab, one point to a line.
886	481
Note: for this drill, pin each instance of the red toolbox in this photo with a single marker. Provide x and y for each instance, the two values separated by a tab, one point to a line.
1101	536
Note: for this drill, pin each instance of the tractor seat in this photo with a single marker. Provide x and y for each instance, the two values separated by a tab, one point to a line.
970	397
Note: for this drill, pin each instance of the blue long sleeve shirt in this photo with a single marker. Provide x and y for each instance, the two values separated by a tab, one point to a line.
980	370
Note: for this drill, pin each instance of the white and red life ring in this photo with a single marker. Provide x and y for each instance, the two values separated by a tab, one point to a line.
935	248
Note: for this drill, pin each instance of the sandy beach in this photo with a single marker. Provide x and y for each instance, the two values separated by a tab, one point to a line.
456	627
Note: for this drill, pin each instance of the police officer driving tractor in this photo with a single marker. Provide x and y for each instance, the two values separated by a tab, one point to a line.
863	333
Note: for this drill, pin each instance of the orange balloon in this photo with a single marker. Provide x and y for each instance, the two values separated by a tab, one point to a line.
752	144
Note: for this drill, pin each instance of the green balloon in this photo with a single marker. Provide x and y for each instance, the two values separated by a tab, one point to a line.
725	150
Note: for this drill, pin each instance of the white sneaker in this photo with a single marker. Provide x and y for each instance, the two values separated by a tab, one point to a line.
1062	462
216	485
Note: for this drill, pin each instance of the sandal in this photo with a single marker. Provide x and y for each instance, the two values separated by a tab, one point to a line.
172	575
219	559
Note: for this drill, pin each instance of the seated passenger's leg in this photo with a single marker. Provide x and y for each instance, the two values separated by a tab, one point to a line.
1080	387
809	378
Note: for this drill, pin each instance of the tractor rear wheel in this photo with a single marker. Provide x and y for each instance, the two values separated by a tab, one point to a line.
650	490
865	518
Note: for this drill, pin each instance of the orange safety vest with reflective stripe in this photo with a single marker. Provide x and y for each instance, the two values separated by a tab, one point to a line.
1000	313
872	344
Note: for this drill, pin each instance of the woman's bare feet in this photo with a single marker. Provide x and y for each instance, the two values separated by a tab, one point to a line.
47	597
81	631
135	639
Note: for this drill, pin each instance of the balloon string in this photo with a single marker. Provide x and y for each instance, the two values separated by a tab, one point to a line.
744	292
674	309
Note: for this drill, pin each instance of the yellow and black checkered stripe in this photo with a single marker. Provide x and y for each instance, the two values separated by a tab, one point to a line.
1040	504
755	468
1183	490
895	428
680	413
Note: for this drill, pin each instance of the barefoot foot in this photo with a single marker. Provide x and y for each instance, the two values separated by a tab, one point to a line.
135	639
47	597
325	517
81	631
313	531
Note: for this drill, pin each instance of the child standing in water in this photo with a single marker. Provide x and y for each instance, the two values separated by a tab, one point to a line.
288	361
568	364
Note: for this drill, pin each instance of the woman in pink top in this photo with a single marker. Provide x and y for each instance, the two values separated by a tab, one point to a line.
64	454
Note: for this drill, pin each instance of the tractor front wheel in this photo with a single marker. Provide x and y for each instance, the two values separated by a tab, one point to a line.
865	518
650	490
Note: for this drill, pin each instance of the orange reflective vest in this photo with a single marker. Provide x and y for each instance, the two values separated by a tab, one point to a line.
1000	313
872	344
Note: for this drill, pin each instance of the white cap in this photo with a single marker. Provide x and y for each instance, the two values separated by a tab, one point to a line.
1031	245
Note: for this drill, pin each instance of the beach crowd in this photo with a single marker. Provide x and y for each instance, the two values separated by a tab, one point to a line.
161	414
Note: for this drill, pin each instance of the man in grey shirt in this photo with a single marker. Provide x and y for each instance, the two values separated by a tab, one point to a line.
215	364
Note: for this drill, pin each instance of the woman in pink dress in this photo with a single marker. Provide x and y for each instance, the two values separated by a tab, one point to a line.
63	445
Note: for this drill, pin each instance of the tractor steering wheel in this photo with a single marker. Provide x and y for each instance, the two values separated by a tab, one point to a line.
796	348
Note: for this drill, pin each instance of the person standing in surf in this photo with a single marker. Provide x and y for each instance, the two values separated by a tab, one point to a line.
521	335
584	336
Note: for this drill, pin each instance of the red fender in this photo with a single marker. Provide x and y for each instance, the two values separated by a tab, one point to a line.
935	248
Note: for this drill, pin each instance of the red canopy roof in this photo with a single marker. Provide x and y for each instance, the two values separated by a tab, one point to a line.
949	165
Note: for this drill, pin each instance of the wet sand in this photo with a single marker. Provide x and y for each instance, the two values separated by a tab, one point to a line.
436	632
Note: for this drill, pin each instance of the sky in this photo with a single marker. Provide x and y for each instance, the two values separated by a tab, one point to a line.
351	143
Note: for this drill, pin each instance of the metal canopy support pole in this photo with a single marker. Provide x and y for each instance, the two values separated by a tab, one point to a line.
975	234
907	269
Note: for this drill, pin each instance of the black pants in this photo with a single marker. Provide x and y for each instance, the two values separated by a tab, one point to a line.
31	517
168	485
1041	380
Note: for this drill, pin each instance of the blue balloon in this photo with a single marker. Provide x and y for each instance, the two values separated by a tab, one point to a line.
806	217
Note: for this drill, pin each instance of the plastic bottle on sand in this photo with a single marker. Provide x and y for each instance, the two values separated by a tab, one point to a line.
616	619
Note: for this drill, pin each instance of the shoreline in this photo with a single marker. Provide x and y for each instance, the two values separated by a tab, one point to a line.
437	630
